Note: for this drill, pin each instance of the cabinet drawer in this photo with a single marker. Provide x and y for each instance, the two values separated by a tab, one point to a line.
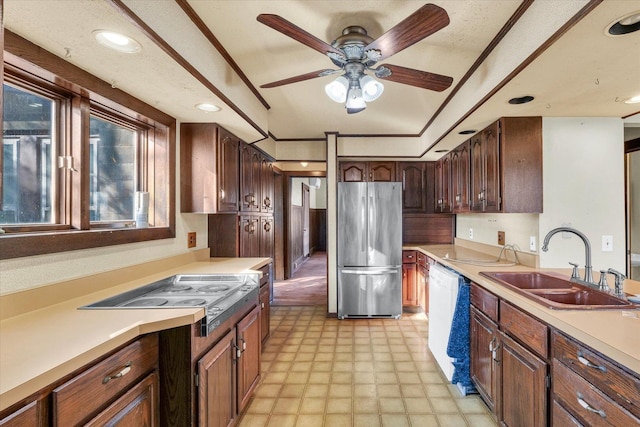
78	399
408	257
612	380
266	274
485	301
422	259
529	331
587	402
561	418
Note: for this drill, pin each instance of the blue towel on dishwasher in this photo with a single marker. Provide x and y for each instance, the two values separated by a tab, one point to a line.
458	347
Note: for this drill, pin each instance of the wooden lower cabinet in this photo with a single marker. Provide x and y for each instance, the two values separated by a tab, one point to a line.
409	289
524	398
32	414
511	378
484	363
217	384
207	381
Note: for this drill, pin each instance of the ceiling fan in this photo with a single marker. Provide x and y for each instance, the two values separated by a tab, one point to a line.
355	52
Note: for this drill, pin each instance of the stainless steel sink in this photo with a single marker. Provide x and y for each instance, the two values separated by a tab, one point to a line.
557	292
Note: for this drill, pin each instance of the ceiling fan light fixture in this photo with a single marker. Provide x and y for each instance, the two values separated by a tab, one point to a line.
371	88
337	90
355	102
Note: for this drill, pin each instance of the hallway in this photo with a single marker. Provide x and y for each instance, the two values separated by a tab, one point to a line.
307	286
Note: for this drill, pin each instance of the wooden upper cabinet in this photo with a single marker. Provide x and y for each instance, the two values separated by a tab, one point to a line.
367	171
417	186
506	166
250	185
443	185
461	177
209	168
353	171
267	182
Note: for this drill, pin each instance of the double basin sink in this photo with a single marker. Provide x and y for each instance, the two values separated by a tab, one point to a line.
557	292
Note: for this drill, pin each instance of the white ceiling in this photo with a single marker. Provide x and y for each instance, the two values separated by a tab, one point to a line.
583	73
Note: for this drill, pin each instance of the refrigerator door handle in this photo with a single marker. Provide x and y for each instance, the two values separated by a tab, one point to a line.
364	213
368	272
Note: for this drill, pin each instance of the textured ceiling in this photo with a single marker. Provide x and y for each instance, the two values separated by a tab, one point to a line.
583	73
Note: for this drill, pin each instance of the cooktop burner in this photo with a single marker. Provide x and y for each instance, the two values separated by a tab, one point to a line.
190	302
214	288
146	302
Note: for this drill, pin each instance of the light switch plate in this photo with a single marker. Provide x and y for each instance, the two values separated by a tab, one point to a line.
532	243
607	243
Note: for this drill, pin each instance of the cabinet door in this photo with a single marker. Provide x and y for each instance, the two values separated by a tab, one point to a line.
249	236
524	391
409	294
477	174
216	380
266	237
460	168
249	342
382	171
414	192
137	407
484	366
267	182
265	312
491	142
422	283
228	171
353	171
443	184
250	190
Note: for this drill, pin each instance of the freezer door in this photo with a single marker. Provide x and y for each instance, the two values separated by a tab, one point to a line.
384	218
370	292
352	223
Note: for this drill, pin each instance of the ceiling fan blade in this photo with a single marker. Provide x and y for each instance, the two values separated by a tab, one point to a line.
417	78
420	24
300	78
287	28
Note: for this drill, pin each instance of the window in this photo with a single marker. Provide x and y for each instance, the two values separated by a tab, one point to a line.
29	142
82	165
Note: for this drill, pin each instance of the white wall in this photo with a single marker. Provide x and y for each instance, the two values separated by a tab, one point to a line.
35	271
584	186
517	227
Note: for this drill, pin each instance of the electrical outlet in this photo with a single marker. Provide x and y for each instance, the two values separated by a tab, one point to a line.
501	238
471	233
191	239
607	243
532	243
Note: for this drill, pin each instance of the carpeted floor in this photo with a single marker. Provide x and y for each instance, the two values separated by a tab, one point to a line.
307	286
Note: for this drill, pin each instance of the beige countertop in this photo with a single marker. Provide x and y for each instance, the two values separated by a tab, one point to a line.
38	347
614	333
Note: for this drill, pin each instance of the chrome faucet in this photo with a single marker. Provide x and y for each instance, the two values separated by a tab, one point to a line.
588	274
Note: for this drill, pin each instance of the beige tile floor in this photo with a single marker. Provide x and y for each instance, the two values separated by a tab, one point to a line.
319	371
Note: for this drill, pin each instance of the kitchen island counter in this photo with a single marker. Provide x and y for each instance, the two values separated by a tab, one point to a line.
44	336
615	333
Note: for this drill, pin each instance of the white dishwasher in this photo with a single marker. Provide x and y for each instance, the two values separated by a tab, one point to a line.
443	293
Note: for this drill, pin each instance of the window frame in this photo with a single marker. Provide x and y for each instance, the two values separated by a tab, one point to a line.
86	94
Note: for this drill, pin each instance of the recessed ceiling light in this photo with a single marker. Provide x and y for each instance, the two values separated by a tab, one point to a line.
117	41
211	108
441	151
467	132
304	164
521	100
633	100
627	24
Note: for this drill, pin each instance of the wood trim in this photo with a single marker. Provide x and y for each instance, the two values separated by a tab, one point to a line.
195	18
162	44
566	27
632	145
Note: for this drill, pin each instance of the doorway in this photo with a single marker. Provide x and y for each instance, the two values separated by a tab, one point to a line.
632	162
305	278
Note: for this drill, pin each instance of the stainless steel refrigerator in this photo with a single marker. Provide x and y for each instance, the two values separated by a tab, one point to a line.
369	249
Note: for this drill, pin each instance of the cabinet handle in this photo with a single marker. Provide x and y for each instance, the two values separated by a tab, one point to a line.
267	226
244	344
121	373
492	343
590	408
261	305
590	364
221	194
